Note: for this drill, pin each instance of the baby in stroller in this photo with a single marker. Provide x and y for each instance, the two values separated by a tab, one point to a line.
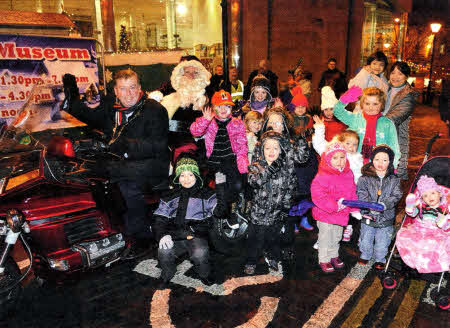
425	244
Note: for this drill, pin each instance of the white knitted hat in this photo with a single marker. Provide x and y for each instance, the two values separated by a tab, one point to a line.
328	98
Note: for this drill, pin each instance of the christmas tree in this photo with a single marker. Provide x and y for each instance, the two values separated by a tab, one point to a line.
124	42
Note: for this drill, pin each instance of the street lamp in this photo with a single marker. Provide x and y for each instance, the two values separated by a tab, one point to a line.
435	27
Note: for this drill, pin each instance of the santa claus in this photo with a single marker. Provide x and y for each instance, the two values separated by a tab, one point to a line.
190	80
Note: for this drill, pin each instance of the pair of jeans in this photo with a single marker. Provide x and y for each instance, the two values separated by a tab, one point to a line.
198	251
263	238
374	242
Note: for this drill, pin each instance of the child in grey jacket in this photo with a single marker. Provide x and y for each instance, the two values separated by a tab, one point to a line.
378	184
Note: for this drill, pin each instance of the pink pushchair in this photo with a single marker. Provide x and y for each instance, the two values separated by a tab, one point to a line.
438	168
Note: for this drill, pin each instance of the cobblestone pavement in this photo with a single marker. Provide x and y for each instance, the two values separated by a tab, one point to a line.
125	295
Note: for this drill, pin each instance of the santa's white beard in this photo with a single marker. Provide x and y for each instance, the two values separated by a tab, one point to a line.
191	91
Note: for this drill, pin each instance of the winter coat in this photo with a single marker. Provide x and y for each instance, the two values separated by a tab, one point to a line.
327	188
203	206
400	112
143	138
364	79
272	195
369	184
333	127
386	132
236	133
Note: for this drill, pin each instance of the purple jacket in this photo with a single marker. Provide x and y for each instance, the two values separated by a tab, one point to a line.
236	133
327	188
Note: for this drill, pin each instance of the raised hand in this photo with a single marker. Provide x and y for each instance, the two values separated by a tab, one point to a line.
318	120
351	95
208	113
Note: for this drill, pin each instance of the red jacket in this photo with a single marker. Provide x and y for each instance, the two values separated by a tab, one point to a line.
333	127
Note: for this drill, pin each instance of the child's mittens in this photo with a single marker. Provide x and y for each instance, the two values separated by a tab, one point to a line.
340	205
357	215
443	221
411	203
351	95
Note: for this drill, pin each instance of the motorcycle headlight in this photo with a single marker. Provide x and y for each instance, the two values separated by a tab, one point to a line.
15	219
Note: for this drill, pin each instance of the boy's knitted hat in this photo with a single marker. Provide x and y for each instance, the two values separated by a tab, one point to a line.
331	149
186	164
426	183
328	98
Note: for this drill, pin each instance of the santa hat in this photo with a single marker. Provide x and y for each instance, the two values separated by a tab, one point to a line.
331	149
427	183
328	98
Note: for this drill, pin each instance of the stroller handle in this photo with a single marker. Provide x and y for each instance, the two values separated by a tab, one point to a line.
430	144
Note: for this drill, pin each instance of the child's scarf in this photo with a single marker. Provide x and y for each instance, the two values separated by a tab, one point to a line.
370	137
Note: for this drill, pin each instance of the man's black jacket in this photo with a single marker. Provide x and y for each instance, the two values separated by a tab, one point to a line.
142	140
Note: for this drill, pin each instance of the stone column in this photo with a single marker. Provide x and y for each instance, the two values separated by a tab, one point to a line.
109	33
170	22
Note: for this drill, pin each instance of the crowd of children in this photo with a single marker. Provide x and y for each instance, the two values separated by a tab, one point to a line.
273	153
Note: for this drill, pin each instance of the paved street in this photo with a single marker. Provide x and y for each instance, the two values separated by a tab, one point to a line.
124	295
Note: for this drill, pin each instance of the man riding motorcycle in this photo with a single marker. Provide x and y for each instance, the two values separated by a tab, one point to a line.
137	131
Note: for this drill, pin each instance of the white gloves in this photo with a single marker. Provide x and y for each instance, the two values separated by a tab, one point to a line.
340	206
166	242
357	215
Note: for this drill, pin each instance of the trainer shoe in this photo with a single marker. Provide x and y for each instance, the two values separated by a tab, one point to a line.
249	269
362	261
272	264
337	263
326	267
379	265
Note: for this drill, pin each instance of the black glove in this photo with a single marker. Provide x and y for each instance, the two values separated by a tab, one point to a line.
71	90
275	166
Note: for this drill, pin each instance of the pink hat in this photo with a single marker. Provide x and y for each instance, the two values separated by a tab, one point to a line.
299	100
426	183
331	149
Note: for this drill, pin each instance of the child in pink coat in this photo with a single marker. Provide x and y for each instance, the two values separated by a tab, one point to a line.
225	142
332	184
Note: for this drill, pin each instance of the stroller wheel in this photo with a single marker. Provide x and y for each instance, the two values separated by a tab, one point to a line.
443	302
389	282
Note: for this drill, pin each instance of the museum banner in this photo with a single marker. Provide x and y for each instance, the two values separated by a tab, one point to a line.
31	71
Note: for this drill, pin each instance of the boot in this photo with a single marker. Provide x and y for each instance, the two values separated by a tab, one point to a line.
305	224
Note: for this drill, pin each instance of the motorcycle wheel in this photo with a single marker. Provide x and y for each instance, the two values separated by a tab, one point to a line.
9	299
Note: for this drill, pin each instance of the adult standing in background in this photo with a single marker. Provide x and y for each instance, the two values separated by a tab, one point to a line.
400	103
264	69
217	80
334	78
